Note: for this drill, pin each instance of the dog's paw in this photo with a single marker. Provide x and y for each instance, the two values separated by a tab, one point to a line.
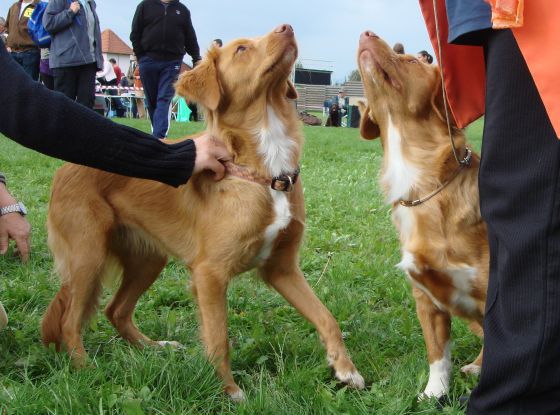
352	379
433	391
170	343
236	395
471	369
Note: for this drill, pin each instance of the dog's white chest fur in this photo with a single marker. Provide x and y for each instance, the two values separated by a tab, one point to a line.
276	149
399	176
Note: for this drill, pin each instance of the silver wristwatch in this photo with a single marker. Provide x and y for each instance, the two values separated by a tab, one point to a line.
16	207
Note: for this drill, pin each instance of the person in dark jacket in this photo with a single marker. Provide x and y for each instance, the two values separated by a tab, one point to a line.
19	43
73	133
519	185
162	32
75	51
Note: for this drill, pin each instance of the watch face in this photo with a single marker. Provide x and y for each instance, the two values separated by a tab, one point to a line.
23	208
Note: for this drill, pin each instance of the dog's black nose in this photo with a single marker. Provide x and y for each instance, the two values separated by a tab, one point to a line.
368	34
284	28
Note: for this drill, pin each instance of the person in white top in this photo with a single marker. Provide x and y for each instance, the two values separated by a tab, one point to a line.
107	75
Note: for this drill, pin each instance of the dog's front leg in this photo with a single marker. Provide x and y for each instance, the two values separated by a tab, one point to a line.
209	288
289	281
436	326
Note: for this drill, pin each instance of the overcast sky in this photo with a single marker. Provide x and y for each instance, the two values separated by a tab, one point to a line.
327	31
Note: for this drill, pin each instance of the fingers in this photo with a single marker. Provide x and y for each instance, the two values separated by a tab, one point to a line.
3	243
22	243
210	154
219	151
16	227
218	168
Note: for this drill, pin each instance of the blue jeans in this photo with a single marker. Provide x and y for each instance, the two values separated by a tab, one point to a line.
29	61
157	79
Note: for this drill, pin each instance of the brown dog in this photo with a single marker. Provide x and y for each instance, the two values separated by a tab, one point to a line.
443	239
219	229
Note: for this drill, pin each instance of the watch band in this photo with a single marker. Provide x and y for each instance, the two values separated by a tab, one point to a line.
11	209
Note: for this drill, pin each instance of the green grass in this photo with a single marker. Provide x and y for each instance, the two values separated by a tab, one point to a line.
348	256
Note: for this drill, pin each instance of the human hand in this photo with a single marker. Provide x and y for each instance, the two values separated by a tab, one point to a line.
75	7
210	155
16	227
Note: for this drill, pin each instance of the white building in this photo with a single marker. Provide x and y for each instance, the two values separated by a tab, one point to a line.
114	47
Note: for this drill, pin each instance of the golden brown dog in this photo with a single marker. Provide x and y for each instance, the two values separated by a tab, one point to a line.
219	229
443	239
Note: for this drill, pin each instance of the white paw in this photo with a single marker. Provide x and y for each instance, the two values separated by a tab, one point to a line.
440	374
237	396
352	379
170	343
431	392
434	389
471	369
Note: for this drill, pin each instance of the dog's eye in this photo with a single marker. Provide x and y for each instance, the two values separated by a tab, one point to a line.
240	48
413	61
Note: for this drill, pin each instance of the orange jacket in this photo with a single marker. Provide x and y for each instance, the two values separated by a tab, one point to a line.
463	66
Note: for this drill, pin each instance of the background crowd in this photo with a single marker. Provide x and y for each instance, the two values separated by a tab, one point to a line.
71	61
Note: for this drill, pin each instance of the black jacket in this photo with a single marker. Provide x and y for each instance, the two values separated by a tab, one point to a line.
54	125
163	31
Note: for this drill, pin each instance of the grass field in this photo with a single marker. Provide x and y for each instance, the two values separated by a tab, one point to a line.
349	257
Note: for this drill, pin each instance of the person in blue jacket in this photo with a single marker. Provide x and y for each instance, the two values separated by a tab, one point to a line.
75	52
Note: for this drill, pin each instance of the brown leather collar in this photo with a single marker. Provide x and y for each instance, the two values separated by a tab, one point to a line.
282	183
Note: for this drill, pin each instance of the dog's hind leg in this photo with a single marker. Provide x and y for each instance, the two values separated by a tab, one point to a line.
139	273
436	327
209	287
76	301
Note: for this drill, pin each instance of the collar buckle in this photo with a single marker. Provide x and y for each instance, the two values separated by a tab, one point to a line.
283	183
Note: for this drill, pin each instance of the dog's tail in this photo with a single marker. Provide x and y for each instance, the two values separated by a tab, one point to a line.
51	326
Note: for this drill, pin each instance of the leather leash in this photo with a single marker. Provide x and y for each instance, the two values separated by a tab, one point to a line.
462	163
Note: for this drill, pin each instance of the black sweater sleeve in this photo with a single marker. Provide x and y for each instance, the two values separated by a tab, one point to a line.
54	125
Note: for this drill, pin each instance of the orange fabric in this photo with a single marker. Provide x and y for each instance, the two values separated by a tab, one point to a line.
538	40
137	81
506	13
463	66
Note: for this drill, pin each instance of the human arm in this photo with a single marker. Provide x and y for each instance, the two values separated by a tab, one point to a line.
57	17
52	124
13	225
136	33
191	42
107	68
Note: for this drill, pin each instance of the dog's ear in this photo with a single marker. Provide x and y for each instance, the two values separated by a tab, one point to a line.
368	127
201	84
438	103
291	91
